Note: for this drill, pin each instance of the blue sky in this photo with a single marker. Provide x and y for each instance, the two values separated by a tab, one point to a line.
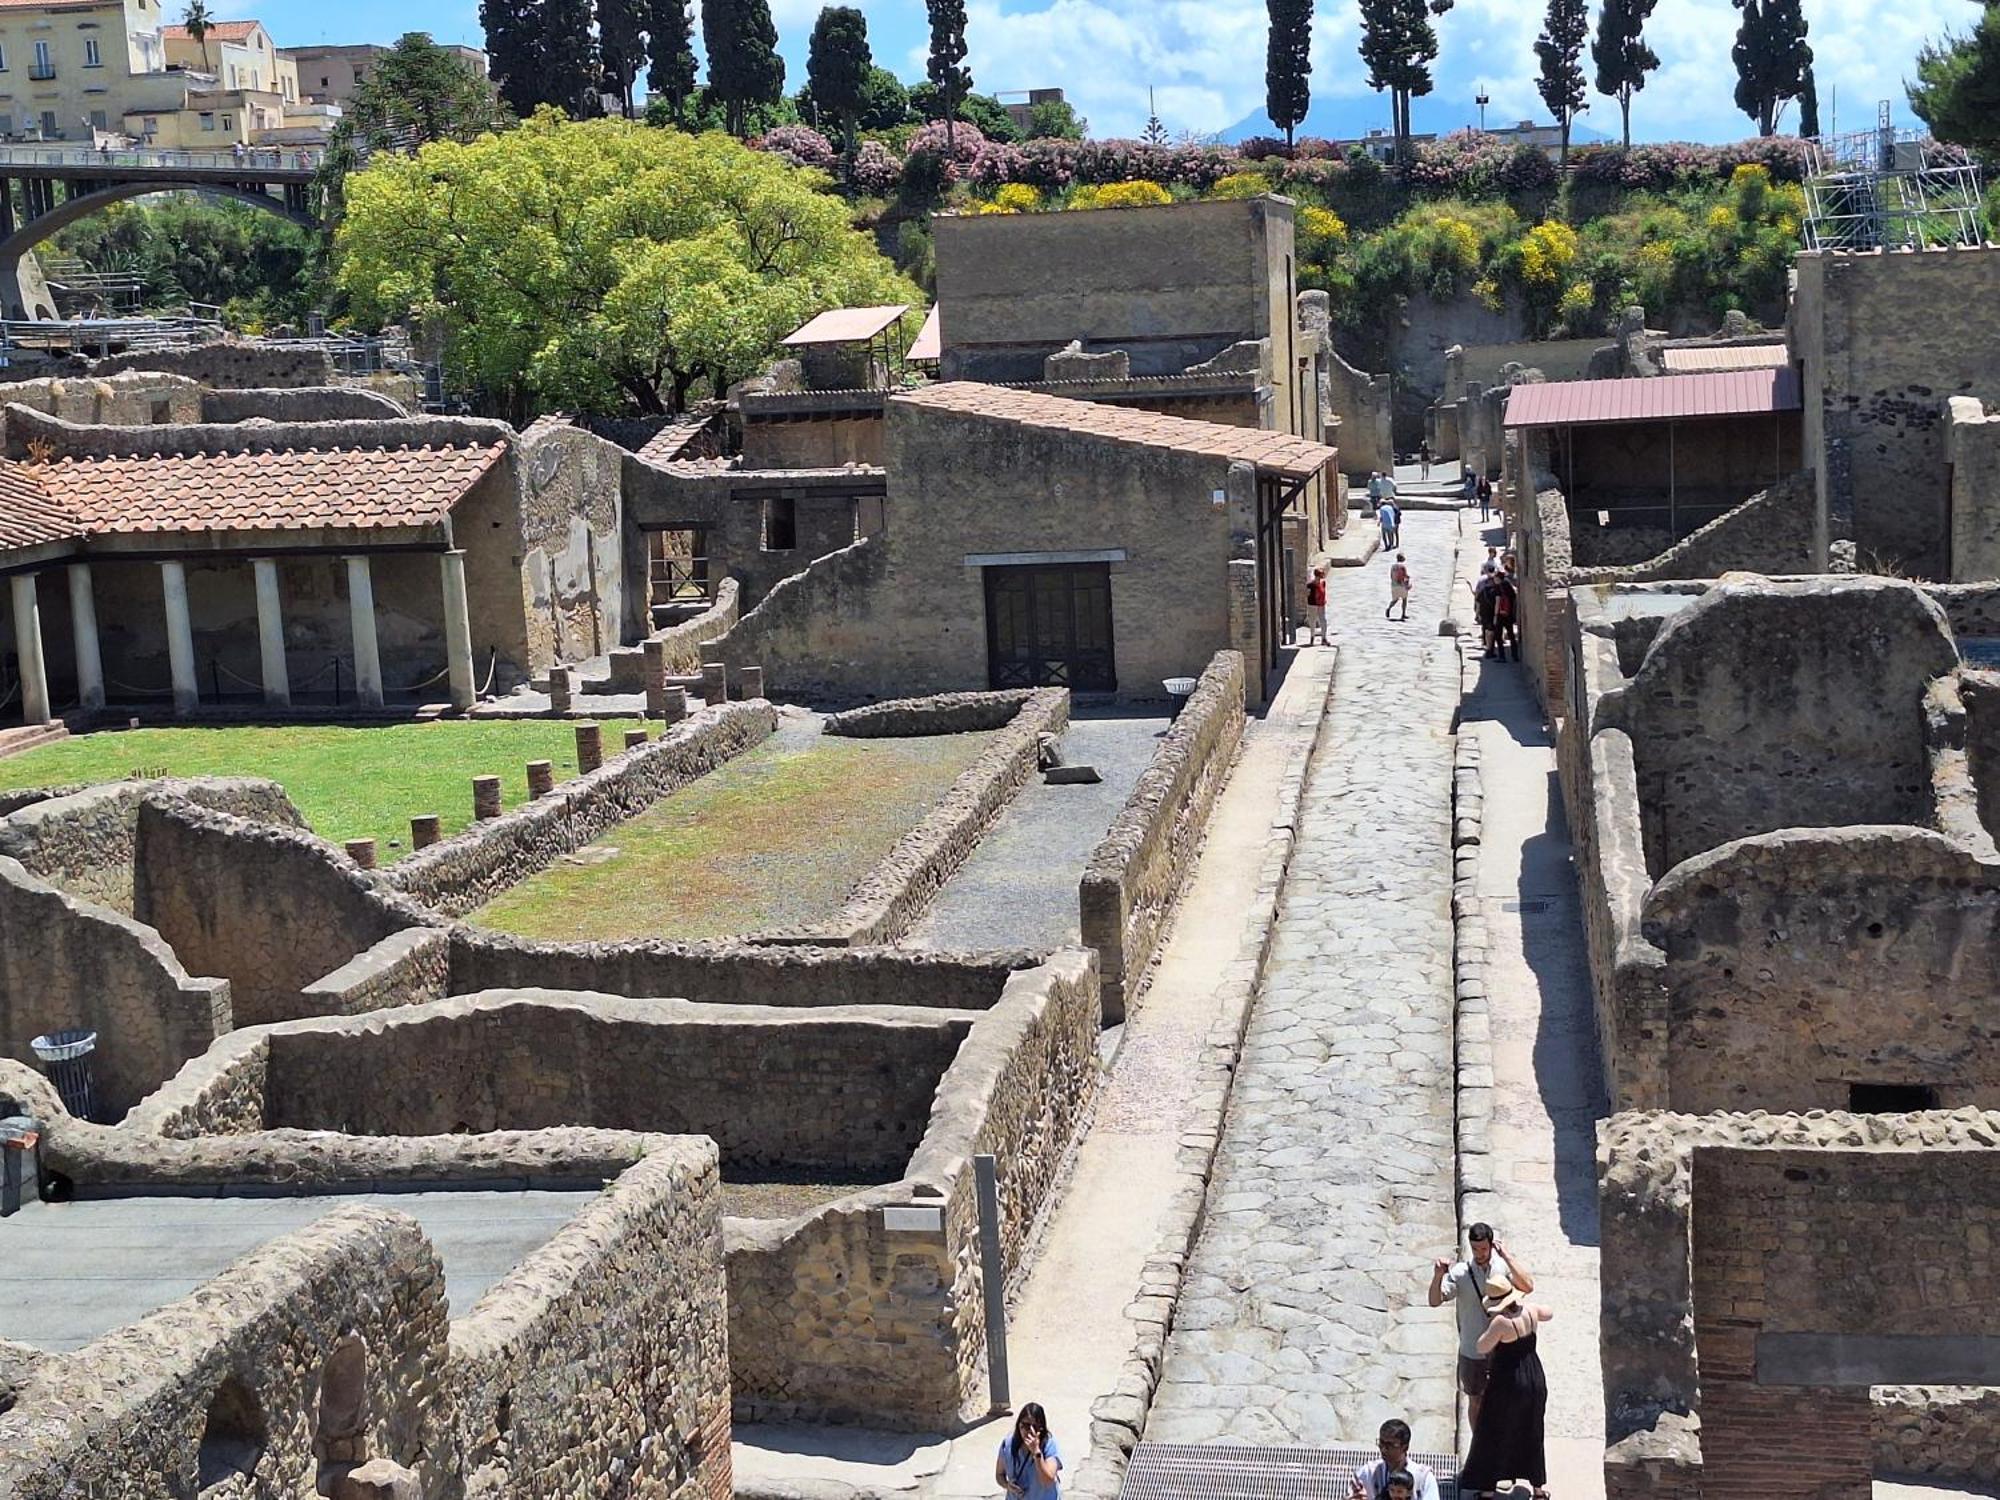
1204	59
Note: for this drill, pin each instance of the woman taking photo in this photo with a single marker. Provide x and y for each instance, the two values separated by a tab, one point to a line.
1029	1464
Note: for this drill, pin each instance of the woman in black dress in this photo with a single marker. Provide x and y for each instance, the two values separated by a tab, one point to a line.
1507	1443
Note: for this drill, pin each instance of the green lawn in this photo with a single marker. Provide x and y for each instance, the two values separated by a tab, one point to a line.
349	783
775	838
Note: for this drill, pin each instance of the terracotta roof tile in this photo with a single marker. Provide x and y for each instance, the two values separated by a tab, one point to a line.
29	515
221	31
283	490
1276	452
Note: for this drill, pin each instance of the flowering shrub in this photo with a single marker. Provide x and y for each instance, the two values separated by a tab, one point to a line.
1017	198
1262	148
1321	231
801	145
960	145
1547	252
1241	185
1465	164
875	170
1049	164
1316	148
1138	193
998	164
1528	169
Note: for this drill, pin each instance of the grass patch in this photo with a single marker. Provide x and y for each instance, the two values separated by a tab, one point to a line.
348	782
774	838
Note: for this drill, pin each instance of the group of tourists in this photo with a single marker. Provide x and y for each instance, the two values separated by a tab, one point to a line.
1496	602
1476	489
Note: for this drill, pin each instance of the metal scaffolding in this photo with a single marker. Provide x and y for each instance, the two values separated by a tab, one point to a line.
1890	189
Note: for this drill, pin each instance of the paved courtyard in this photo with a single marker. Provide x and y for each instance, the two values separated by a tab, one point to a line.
1303	1319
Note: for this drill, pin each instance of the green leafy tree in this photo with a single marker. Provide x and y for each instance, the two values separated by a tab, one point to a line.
1623	59
1809	107
199	22
885	102
1399	44
670	46
621	42
1056	120
264	269
1771	57
1288	64
744	68
1559	49
707	111
1957	89
600	265
837	67
415	94
946	69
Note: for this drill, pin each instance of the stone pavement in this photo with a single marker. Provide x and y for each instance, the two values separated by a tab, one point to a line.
1303	1317
1547	1080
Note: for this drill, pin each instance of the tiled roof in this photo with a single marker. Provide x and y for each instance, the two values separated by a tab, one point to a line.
1721	393
665	445
283	490
1274	452
29	517
220	31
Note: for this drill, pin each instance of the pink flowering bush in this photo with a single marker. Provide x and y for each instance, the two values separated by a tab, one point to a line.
875	170
801	145
999	164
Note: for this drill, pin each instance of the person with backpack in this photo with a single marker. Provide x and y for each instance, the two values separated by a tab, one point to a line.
1399	587
1316	609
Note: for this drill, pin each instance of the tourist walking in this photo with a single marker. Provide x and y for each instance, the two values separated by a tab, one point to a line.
1316	609
1399	587
1468	488
1029	1464
1507	1434
1482	606
1424	459
1506	611
1389	516
1485	498
1373	1479
1464	1281
1374	490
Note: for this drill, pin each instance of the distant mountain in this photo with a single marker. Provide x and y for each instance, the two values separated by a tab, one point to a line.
1349	118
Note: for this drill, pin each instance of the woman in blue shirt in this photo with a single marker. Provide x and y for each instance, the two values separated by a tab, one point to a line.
1029	1464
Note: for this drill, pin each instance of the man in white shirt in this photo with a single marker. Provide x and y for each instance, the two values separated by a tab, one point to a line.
1465	1283
1371	1480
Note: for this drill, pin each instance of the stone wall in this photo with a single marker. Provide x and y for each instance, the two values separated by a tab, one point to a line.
229	365
1886	339
887	901
570	574
943	713
1543	596
270	909
234	1376
407	967
814	633
67	962
733	973
1136	872
1952	1432
683	643
1365	408
600	1364
86	841
471	868
312	403
133	399
1720	1231
1774	705
1972	458
851	1313
1769	533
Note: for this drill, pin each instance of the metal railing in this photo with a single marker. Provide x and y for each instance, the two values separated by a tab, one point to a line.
678	578
251	159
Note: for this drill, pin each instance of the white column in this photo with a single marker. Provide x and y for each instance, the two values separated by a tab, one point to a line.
180	637
271	633
457	629
83	626
28	650
367	655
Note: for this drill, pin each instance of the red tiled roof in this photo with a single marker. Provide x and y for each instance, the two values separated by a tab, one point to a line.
283	490
1719	393
29	516
1274	452
220	31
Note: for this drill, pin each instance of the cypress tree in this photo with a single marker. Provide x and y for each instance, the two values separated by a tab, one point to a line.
946	70
743	63
567	58
1288	64
621	39
511	28
1771	57
1399	44
1623	59
1559	47
1809	107
670	45
838	67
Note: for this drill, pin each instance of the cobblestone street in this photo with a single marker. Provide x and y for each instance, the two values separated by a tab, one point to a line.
1303	1317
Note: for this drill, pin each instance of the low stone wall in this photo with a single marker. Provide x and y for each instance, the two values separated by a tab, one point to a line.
1770	533
1950	1431
406	968
600	1364
942	713
311	403
813	633
683	642
67	962
465	872
869	1309
1136	872
734	973
85	839
889	899
229	365
270	909
235	1375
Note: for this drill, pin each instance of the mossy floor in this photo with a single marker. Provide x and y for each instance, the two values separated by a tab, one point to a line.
775	838
348	782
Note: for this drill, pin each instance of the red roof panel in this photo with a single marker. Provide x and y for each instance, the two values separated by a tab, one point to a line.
1716	393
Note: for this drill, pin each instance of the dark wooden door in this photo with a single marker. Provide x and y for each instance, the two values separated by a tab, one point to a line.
1049	625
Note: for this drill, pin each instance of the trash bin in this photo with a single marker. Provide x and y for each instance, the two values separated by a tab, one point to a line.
66	1059
1180	689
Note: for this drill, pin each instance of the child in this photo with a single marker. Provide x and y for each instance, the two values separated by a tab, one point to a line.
1316	609
1401	1485
1399	587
